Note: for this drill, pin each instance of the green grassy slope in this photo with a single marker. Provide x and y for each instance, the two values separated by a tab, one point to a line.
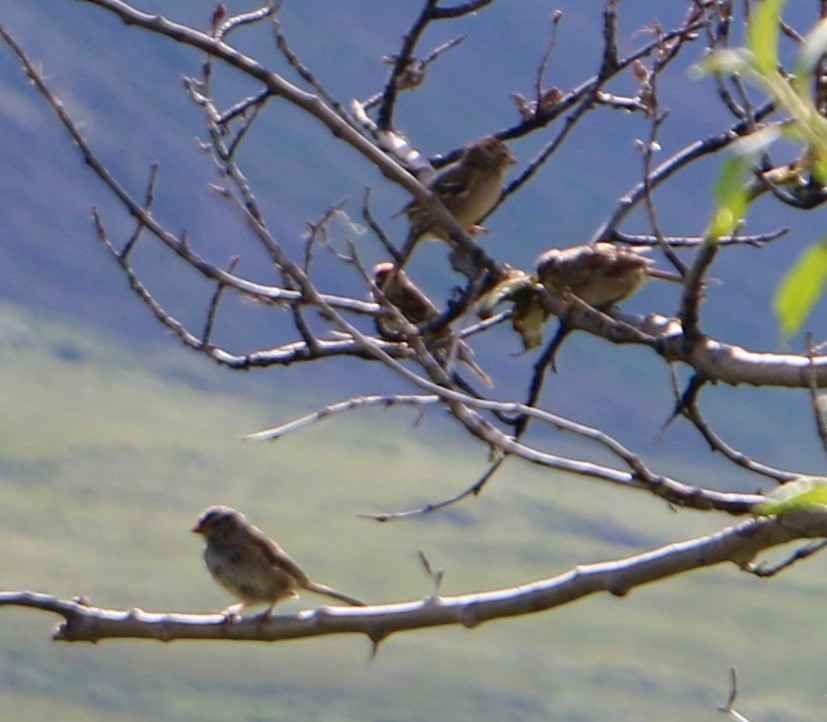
105	463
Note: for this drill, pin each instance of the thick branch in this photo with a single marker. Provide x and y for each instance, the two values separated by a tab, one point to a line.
738	544
715	360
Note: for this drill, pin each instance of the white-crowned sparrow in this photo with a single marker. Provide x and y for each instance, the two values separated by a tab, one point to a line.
250	565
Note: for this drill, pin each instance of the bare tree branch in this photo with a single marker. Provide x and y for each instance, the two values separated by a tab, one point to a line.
733	695
737	545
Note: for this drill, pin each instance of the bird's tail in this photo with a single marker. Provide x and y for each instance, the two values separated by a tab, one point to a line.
330	592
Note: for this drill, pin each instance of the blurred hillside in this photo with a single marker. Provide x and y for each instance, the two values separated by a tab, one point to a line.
105	463
114	437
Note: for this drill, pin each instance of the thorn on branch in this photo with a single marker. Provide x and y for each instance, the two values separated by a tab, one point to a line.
435	575
375	640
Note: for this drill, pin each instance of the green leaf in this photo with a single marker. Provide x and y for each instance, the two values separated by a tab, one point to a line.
801	288
820	168
724	62
731	196
805	493
754	144
763	35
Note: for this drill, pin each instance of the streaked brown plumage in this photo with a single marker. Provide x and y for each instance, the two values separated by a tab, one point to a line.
468	188
250	565
601	275
417	308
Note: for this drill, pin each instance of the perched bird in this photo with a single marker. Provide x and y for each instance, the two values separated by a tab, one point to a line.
403	293
417	308
250	565
601	275
468	188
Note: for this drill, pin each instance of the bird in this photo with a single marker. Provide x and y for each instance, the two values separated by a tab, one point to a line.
251	566
469	188
601	274
400	291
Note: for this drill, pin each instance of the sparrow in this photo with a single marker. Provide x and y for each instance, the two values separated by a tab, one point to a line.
417	308
469	188
601	275
250	565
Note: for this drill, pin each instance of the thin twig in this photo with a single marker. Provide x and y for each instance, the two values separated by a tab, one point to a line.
539	91
149	199
402	60
647	152
689	154
816	399
687	405
206	336
372	223
733	695
361	402
765	571
305	73
246	18
428	508
756	240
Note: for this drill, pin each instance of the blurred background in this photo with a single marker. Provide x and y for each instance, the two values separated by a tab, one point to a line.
114	437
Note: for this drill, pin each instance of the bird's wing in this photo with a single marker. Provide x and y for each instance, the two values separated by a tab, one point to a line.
278	557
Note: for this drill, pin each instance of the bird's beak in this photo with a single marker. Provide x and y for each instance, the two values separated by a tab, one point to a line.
198	529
